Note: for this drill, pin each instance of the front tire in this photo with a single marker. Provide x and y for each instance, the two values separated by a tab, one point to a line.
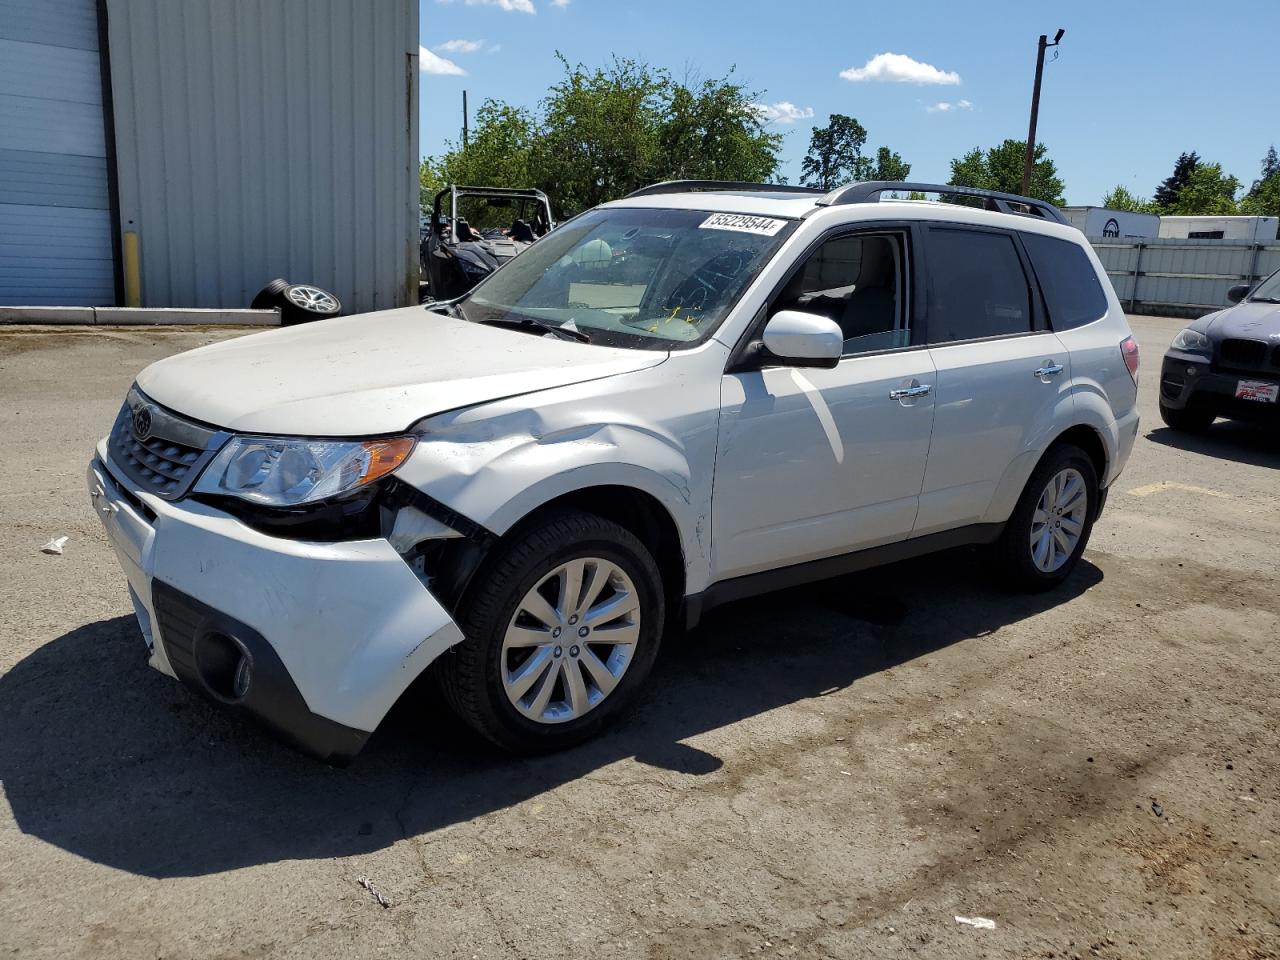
562	626
1050	526
1186	420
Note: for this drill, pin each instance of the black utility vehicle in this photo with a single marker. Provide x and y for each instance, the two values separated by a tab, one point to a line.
481	229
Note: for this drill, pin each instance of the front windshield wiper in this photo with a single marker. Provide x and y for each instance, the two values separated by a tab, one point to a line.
1264	299
449	309
530	323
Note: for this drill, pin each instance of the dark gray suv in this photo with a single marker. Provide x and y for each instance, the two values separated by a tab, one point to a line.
1226	364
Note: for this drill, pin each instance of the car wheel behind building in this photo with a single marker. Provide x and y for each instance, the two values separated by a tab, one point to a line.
1186	420
1050	526
562	626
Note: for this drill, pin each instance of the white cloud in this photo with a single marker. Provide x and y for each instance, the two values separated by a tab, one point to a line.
429	62
510	6
459	46
943	106
784	111
897	68
560	3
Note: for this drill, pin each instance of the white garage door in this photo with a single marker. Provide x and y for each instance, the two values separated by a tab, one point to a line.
55	221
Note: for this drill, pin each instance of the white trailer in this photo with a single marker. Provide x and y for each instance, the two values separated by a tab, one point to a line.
1107	223
1248	229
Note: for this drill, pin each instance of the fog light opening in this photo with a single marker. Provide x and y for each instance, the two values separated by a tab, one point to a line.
224	666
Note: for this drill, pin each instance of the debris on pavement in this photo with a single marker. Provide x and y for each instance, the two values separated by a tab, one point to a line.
54	546
377	894
982	923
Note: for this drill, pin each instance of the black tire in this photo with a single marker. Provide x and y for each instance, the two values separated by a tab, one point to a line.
1186	420
470	674
1014	547
269	297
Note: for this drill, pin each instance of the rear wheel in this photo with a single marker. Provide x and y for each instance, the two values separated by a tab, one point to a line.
1186	419
562	626
1050	526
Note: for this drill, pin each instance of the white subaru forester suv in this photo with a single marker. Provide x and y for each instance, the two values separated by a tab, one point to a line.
694	394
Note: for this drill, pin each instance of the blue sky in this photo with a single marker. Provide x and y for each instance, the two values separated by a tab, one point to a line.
1133	85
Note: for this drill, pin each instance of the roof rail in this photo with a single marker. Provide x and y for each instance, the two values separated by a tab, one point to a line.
688	186
870	191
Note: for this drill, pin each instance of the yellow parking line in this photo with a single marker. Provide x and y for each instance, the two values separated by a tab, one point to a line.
1150	488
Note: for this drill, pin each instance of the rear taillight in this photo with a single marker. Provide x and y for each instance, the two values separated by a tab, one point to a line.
1129	350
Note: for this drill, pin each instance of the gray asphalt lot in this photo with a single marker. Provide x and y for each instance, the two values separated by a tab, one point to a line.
836	771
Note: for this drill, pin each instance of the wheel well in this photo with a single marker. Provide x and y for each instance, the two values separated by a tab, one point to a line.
1088	440
643	515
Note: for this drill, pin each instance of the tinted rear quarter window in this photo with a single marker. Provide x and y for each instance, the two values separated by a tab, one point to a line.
979	286
1070	284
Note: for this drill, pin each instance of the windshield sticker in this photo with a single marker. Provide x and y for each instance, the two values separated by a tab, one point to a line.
743	223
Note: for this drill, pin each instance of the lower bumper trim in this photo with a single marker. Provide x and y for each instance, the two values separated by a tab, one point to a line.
272	698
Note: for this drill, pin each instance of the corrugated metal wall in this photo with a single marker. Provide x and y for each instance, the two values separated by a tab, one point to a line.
55	218
265	138
1184	277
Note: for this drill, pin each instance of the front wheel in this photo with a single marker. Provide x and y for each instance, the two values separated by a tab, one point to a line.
562	626
1186	420
1050	526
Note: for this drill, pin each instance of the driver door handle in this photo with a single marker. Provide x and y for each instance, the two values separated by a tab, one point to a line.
1050	369
903	393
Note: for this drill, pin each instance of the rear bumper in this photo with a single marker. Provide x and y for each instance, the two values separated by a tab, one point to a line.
1189	381
335	631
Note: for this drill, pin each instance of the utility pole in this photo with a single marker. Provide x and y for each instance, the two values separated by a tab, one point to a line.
464	114
1035	108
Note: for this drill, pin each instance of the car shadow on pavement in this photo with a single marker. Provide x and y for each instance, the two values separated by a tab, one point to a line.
111	761
1235	440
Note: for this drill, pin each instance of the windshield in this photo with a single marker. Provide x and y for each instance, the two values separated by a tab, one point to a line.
646	278
1268	290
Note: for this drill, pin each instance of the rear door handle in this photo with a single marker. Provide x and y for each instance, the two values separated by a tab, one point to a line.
903	393
1050	369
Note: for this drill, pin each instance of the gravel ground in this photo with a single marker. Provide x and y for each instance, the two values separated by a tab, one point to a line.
838	771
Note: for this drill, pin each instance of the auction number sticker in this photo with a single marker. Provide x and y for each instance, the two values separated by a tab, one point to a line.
1258	390
743	223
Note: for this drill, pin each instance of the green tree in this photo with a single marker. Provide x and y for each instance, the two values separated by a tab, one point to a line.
1121	199
1000	168
1270	167
1263	199
835	153
890	166
710	132
1167	193
1208	192
835	156
499	151
602	132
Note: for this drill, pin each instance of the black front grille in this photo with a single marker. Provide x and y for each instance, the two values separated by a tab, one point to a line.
1250	354
167	454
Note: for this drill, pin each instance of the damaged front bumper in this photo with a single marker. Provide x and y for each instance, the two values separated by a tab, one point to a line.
316	640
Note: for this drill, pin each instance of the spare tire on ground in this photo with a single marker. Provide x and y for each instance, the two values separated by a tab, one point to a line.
297	302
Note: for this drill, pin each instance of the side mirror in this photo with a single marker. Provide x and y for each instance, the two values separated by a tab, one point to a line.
1238	292
803	339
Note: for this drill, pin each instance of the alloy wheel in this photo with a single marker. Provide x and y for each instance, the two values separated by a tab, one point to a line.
1059	520
570	640
312	298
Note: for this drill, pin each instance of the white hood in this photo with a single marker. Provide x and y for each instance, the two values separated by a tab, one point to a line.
370	374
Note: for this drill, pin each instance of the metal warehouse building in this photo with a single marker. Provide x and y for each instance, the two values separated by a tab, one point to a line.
182	153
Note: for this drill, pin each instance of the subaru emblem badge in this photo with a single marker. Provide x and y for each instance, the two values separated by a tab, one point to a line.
142	423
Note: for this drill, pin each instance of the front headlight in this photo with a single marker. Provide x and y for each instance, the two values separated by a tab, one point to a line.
1192	340
285	472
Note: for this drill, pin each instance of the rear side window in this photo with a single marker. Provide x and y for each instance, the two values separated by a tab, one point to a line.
1071	289
979	288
